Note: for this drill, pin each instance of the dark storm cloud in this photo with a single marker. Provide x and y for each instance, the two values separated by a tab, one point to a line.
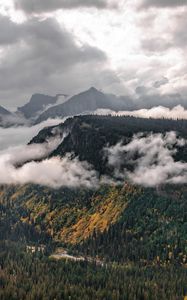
45	57
163	3
39	6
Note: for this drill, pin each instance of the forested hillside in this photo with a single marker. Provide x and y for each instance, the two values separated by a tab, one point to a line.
133	238
86	136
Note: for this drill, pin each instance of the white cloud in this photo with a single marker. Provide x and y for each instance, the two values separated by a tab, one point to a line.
178	112
14	136
152	159
54	172
19	165
141	47
150	156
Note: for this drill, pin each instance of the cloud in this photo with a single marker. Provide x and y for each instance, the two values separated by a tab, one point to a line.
151	158
12	120
166	33
21	154
159	112
160	82
29	163
149	98
54	172
10	32
49	60
163	3
179	31
156	44
40	6
20	135
145	160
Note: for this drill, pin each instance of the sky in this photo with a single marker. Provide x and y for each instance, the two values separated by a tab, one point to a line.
126	47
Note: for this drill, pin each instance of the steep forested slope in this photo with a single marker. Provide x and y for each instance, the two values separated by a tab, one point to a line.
117	223
86	136
138	234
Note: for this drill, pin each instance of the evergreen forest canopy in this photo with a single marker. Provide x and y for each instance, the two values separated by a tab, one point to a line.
133	239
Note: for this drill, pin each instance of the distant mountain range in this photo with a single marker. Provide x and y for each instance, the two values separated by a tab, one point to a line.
37	104
87	101
42	107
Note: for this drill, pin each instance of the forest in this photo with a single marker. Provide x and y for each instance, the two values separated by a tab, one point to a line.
133	239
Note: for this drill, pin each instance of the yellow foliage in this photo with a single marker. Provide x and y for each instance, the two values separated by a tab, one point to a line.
107	212
69	223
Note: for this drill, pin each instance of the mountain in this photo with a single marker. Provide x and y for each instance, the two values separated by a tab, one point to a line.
8	118
120	241
108	210
37	104
87	101
86	136
4	112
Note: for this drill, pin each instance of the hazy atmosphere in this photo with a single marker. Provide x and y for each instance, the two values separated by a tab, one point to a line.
93	150
135	48
65	58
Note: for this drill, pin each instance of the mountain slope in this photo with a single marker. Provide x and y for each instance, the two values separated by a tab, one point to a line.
36	105
8	118
86	136
74	215
4	112
124	223
87	101
133	240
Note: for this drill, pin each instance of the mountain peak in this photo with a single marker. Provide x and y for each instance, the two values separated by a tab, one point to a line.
38	97
36	104
93	89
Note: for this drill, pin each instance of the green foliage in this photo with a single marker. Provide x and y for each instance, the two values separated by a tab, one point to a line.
88	135
27	276
139	234
151	228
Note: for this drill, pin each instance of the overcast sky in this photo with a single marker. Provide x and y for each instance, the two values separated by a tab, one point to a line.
135	47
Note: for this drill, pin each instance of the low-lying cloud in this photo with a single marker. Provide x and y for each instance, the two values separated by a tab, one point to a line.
19	165
147	160
20	135
151	158
30	163
159	112
12	120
